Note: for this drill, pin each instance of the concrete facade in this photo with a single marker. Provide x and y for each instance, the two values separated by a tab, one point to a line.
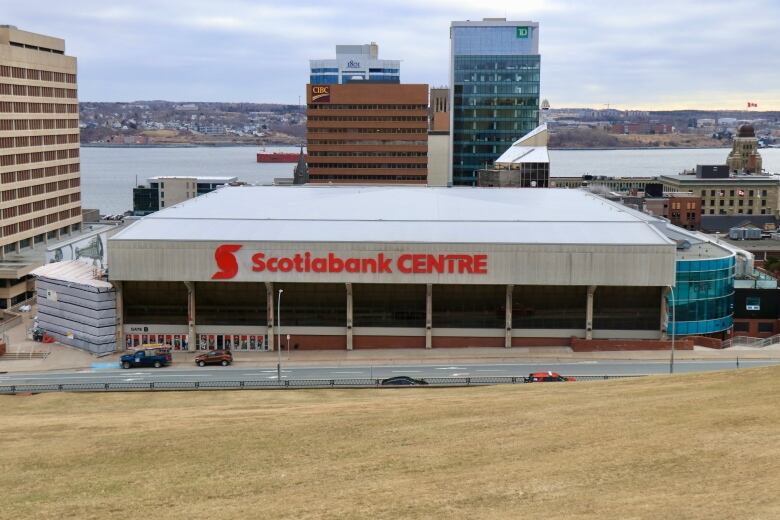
39	148
391	267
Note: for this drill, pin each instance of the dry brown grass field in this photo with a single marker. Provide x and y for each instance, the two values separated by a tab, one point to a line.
682	447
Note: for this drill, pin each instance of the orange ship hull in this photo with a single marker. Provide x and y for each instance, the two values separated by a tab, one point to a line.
278	157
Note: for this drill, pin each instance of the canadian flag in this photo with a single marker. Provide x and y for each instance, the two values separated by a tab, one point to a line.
741	193
751	104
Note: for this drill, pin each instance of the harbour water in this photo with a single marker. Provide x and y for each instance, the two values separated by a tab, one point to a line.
109	174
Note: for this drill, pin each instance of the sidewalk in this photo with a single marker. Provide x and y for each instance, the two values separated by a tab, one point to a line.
66	358
62	357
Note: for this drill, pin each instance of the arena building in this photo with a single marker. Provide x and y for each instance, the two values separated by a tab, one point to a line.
338	267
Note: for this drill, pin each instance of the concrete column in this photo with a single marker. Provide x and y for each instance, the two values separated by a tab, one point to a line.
589	313
191	328
121	344
508	337
428	316
349	316
664	313
269	295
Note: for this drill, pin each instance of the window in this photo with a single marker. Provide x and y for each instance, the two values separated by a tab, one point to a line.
766	326
753	303
741	326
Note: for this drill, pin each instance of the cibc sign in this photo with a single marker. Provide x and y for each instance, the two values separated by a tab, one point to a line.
320	93
332	263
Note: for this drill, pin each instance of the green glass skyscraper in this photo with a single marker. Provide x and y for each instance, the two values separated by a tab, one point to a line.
494	79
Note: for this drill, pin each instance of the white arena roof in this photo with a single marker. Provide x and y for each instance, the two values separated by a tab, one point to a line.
400	214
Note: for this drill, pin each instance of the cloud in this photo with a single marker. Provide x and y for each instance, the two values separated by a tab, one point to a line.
662	54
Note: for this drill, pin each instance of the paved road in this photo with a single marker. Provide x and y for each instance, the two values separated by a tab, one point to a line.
238	373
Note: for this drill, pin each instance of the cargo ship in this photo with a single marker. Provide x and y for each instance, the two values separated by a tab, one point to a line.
278	157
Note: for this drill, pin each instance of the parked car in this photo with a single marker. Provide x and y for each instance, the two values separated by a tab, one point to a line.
151	357
214	357
403	381
547	377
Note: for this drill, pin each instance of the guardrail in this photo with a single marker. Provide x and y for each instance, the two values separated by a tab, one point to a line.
745	341
271	384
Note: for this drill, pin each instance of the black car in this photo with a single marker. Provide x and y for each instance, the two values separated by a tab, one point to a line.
403	381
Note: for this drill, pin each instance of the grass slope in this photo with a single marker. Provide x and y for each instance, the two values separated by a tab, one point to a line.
693	446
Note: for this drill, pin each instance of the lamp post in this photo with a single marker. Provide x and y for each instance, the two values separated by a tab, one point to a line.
674	304
279	336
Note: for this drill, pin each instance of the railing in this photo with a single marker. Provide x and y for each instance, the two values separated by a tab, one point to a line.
271	384
744	341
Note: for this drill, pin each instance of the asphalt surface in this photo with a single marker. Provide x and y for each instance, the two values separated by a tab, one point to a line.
106	373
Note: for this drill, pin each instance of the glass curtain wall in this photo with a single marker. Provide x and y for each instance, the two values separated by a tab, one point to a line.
703	296
627	308
224	303
312	305
163	303
543	307
388	305
495	102
469	306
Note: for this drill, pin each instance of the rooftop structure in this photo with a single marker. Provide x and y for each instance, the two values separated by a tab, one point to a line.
355	63
525	164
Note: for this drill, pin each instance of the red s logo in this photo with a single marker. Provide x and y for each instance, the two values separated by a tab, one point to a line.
226	262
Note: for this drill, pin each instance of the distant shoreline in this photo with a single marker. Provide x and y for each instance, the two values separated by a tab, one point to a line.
239	145
659	148
185	145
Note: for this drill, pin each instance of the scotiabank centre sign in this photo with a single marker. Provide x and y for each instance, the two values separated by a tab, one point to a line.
228	266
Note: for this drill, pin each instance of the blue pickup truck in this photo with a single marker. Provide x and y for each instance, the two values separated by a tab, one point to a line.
151	357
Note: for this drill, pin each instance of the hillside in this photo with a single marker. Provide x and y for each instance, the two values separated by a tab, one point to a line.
688	446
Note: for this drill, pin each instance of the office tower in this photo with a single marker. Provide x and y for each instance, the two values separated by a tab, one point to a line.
355	63
365	132
494	80
39	152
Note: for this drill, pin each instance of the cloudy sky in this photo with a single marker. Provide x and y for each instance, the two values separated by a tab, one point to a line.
665	54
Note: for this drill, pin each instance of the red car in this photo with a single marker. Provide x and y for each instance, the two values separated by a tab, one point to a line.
214	357
547	377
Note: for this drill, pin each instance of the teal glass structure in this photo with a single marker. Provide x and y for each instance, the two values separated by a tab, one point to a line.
495	67
703	296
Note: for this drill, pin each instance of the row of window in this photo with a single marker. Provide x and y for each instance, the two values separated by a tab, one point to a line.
748	212
38	140
329	177
371	166
497	77
39	173
732	193
21	227
33	157
40	205
329	142
334	106
368	118
740	202
54	234
38	189
9	89
38	124
7	71
21	107
368	154
368	130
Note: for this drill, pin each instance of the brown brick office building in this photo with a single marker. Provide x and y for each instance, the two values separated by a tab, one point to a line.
367	133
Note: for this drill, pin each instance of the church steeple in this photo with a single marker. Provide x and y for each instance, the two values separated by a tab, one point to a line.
301	172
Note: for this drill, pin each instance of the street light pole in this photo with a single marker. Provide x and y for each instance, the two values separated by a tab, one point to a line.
279	336
674	304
